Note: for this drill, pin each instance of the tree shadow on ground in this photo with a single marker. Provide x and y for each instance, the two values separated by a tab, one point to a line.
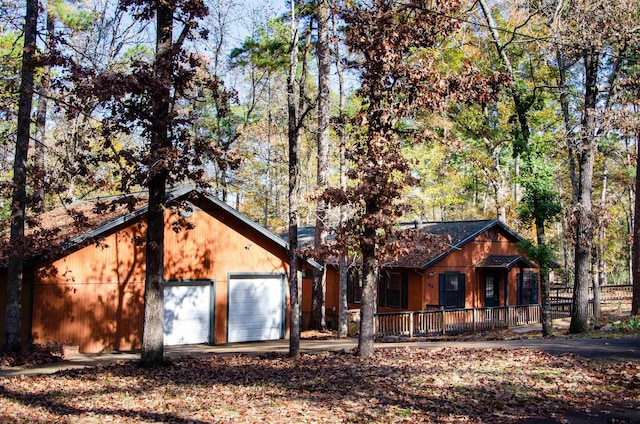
448	384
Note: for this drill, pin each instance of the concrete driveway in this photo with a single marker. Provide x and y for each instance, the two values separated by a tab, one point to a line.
625	349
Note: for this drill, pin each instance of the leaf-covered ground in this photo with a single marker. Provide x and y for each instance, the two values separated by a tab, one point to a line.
397	385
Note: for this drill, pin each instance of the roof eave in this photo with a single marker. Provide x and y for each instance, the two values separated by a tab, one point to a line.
173	195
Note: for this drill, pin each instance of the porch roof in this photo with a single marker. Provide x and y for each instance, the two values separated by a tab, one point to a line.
505	262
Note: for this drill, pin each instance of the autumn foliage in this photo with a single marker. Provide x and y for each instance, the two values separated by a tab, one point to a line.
399	78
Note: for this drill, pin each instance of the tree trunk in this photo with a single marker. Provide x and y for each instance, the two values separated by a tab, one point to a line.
13	341
520	109
267	195
318	298
583	213
343	328
635	300
566	117
498	181
41	125
601	263
547	323
631	210
153	325
369	296
294	184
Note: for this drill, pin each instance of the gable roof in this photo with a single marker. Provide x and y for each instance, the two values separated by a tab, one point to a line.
85	222
461	233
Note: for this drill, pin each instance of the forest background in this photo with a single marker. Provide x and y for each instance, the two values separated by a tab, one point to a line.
560	135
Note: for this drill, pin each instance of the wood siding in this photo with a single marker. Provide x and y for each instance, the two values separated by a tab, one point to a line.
93	297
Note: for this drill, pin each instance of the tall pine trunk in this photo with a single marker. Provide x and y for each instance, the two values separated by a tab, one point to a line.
635	269
342	135
566	118
294	184
584	226
153	325
318	298
13	341
41	125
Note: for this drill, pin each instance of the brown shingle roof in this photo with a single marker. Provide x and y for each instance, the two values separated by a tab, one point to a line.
429	242
50	230
419	247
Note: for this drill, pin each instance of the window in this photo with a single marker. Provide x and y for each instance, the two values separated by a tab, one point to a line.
489	292
491	289
354	286
393	290
452	294
527	288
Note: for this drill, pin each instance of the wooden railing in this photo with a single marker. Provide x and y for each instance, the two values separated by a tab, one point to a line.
453	321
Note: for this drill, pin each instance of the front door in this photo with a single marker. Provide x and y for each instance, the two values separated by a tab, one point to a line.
491	290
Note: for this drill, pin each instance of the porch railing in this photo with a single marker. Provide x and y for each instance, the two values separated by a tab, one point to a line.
454	321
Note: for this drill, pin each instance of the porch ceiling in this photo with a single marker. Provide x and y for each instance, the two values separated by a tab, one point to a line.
505	262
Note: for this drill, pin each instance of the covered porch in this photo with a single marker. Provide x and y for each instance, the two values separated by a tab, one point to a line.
494	285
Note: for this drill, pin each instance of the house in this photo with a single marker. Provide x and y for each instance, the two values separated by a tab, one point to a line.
474	264
84	282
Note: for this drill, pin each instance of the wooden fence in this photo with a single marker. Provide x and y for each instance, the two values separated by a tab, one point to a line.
454	321
607	293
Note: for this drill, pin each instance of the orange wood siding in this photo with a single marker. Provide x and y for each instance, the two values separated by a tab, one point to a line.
333	295
415	291
93	297
94	316
215	248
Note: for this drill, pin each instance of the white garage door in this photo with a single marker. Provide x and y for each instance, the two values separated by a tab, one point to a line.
187	312
256	308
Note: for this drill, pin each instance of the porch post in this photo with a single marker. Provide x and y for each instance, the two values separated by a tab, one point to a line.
473	318
506	288
411	325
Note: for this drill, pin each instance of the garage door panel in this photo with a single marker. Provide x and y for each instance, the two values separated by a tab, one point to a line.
256	308
187	314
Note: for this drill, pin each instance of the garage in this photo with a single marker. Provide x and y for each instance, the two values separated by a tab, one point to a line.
257	307
188	312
